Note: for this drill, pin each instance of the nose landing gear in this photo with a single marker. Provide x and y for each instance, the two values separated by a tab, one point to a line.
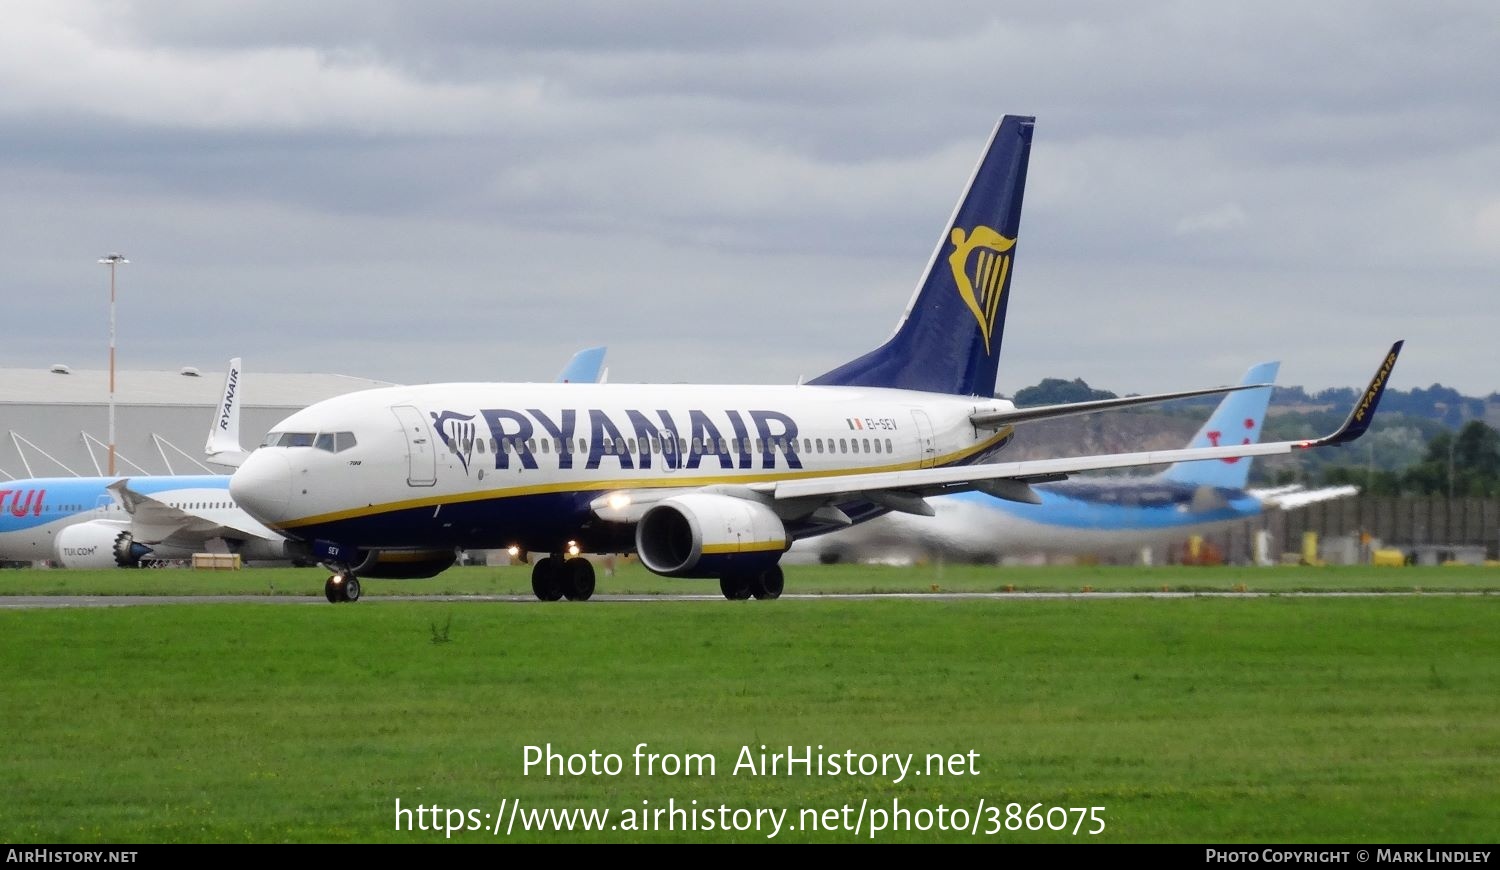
341	587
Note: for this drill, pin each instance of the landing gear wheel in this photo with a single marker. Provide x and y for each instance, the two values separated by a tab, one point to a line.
544	579
341	587
736	587
768	583
578	579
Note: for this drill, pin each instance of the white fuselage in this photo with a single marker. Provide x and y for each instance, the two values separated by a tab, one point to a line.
490	465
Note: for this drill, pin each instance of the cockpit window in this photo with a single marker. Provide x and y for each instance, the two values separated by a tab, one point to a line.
334	442
289	439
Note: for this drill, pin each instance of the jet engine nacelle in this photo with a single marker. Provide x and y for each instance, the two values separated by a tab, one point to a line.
708	535
97	544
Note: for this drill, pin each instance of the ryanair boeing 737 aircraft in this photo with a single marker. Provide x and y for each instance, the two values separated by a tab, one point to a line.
700	481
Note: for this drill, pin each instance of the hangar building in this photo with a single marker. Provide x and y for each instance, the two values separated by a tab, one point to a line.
55	423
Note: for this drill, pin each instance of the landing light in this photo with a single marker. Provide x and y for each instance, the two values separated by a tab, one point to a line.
619	500
513	550
572	548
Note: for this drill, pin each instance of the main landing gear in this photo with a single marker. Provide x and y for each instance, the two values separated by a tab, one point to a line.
343	586
764	585
554	577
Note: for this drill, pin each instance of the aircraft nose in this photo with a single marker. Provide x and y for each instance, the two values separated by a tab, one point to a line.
262	485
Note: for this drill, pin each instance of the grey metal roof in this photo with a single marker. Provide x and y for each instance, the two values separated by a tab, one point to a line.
91	387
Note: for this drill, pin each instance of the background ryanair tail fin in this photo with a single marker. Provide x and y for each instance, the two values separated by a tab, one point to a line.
1237	420
223	445
948	341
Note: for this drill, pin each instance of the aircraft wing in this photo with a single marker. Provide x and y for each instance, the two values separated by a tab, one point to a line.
1000	417
1019	475
906	490
153	521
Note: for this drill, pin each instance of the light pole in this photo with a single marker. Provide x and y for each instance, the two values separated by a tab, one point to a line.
112	261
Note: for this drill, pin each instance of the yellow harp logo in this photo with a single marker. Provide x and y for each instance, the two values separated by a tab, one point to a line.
980	262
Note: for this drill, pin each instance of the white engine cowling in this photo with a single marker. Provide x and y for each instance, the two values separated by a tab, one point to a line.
708	535
96	544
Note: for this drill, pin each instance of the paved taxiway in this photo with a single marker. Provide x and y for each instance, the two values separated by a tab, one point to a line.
39	602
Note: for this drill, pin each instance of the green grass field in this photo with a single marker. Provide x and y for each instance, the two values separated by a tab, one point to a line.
1255	719
631	578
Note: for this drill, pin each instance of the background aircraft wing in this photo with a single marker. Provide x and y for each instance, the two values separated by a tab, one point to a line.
1288	498
153	521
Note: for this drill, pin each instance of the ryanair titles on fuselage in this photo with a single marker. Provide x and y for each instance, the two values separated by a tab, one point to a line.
745	439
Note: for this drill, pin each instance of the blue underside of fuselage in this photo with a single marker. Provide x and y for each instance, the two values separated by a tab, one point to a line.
543	523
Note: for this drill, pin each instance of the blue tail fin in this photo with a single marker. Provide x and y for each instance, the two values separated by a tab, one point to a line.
948	341
1237	420
584	367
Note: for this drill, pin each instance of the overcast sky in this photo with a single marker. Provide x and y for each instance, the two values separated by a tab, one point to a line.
474	190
